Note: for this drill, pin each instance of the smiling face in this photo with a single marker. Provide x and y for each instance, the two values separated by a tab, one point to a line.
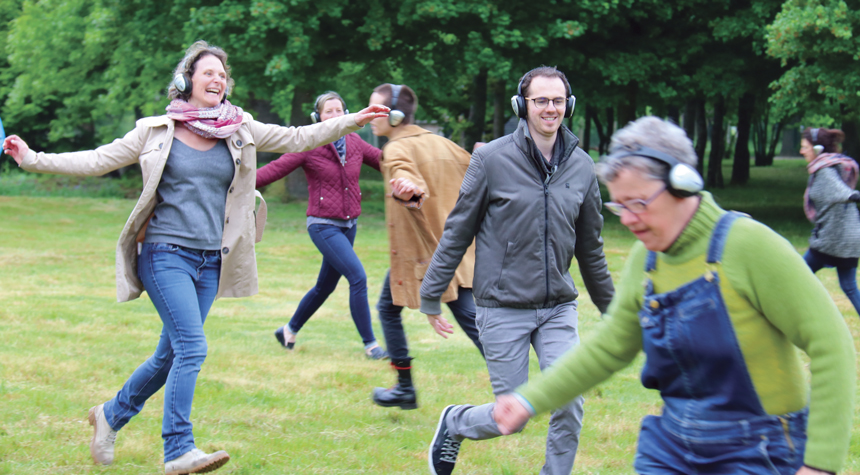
662	221
380	126
209	82
332	108
545	121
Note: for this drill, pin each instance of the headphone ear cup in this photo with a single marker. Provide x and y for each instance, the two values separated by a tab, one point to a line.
569	106
518	104
819	149
182	83
395	117
346	112
314	117
684	181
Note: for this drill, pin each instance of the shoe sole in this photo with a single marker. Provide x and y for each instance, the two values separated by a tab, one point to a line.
92	419
209	466
435	435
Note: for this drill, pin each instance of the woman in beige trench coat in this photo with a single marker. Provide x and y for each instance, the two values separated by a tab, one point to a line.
190	237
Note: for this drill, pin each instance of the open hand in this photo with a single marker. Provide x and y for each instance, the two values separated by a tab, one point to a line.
371	112
16	148
509	414
441	325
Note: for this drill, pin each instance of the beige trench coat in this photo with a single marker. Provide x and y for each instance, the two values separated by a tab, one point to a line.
437	166
149	145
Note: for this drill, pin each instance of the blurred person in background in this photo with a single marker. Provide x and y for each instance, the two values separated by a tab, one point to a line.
190	237
334	204
830	202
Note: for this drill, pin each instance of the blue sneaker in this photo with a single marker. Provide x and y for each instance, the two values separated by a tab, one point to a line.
443	452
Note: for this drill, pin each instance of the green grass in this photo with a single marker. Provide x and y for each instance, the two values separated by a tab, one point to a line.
67	345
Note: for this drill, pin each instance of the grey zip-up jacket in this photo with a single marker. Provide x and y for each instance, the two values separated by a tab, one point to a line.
528	222
837	221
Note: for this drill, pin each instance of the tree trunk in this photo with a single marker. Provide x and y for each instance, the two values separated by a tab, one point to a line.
673	114
500	103
690	119
478	109
296	183
851	145
741	165
602	136
610	129
627	106
701	134
718	143
585	141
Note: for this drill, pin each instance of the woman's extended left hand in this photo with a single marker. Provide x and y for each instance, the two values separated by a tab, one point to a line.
369	113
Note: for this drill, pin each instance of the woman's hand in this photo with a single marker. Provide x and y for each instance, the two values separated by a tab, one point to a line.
373	111
404	189
17	148
509	414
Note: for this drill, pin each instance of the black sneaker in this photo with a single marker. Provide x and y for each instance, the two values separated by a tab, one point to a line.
281	334
444	449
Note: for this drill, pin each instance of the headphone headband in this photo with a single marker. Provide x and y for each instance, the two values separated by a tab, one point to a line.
814	133
395	116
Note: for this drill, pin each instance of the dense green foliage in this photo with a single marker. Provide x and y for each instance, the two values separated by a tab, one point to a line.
76	73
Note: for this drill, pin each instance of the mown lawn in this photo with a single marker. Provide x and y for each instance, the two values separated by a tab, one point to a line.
67	345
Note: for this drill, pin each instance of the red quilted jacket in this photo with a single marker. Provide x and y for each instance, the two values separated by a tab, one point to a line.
332	189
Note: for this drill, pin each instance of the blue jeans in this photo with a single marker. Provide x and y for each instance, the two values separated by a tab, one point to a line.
392	325
844	269
339	259
182	284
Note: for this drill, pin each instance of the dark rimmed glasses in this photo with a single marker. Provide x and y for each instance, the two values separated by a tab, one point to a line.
634	206
543	102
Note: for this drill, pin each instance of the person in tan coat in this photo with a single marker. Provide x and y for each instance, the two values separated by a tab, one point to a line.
422	173
190	237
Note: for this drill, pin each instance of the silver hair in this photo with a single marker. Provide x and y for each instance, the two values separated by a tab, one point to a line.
325	97
652	132
193	54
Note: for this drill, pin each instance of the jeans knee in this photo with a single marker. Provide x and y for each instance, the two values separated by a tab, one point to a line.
358	281
195	352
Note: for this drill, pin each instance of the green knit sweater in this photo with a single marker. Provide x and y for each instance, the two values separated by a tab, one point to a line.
776	305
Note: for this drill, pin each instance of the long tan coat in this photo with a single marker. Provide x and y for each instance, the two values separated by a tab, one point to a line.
149	145
437	166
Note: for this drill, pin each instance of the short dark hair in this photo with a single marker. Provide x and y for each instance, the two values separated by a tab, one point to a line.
407	101
829	138
543	71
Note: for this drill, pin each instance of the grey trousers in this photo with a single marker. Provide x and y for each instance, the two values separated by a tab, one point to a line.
506	334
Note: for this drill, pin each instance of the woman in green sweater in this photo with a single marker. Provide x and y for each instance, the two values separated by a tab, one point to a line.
725	305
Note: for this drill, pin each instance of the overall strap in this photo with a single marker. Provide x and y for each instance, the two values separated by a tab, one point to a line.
721	232
651	261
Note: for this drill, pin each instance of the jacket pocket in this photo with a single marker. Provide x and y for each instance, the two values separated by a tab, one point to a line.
509	247
420	269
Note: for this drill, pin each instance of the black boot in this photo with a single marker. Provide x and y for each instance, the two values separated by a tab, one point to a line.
402	394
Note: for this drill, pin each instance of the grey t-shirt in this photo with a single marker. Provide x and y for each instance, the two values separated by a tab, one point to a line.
191	197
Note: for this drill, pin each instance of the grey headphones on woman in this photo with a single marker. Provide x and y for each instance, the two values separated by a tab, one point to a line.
682	180
328	95
182	82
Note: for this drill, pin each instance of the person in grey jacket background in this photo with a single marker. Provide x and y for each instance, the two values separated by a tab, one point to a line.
531	202
830	202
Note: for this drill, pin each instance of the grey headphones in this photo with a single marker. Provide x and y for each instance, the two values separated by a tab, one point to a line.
682	180
182	82
819	149
518	102
395	116
315	115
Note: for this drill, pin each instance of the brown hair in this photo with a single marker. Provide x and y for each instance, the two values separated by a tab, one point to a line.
325	97
407	101
828	138
543	71
193	54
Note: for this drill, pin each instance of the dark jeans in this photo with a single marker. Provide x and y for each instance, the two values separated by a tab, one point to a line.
339	259
392	325
182	284
846	269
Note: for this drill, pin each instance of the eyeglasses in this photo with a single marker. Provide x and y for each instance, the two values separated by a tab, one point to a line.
634	206
542	102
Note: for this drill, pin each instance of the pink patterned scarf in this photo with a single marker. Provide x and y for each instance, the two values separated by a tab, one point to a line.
848	171
213	123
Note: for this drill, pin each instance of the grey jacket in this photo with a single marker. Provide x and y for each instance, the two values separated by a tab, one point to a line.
837	220
528	222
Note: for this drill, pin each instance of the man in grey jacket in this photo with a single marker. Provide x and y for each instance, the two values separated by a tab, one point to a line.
530	201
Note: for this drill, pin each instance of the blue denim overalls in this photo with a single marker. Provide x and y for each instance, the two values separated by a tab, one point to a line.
713	421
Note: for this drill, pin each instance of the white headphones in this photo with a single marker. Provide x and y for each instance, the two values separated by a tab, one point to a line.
682	180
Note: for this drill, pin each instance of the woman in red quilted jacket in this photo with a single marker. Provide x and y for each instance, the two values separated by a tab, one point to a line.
334	204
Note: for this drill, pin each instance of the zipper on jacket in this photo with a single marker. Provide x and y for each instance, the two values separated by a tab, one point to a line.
549	174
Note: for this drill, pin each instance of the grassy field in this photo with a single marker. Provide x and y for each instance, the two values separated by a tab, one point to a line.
67	345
